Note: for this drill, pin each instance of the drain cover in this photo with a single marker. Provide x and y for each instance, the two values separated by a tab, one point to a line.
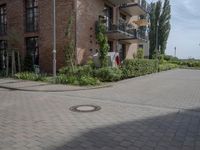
85	108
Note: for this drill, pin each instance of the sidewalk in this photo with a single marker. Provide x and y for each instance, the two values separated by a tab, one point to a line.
22	85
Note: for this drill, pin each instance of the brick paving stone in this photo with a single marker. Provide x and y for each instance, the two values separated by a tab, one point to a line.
134	116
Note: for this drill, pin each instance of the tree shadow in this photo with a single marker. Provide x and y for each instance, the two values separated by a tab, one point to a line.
173	131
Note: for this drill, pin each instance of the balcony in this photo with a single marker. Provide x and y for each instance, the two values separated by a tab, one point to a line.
136	7
119	2
125	32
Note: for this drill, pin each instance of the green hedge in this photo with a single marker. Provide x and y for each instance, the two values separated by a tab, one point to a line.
77	71
167	66
74	80
138	67
108	74
187	63
31	76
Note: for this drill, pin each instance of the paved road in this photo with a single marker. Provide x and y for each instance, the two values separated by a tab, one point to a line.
155	112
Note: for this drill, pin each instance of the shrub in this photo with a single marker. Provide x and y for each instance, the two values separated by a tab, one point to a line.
167	66
77	71
170	58
63	79
187	63
91	63
161	59
87	80
30	76
108	74
138	67
140	53
84	80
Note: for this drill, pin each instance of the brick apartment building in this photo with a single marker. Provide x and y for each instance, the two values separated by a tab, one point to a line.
31	20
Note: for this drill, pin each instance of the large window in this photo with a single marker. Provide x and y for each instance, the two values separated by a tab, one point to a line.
32	48
3	20
108	13
31	13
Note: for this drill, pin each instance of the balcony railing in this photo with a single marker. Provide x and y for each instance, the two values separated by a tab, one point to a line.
141	3
127	30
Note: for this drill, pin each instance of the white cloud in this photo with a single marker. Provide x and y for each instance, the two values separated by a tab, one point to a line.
185	32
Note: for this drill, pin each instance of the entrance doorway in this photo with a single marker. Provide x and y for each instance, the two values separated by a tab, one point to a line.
122	51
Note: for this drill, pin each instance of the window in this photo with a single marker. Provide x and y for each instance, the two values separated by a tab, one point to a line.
32	48
3	47
3	20
110	43
31	14
108	13
141	46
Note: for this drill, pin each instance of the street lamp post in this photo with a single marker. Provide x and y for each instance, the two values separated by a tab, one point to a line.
54	38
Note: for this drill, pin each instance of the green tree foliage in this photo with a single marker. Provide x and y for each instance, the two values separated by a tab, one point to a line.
69	48
103	44
153	28
160	16
140	53
164	28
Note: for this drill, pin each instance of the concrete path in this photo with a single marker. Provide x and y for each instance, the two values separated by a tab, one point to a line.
155	112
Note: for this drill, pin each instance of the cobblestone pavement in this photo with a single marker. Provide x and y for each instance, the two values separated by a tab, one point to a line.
156	112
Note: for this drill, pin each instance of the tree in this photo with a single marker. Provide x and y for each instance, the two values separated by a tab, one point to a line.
69	48
103	44
160	16
164	28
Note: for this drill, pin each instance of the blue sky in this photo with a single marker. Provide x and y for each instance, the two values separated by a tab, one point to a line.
185	31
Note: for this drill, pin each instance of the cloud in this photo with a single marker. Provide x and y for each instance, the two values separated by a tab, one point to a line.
185	33
185	30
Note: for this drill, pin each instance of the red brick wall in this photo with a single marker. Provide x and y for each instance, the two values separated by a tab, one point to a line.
63	10
15	21
87	14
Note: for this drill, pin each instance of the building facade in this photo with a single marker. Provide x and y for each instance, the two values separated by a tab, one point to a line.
30	23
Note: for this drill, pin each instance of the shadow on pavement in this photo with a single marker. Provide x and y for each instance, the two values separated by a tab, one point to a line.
174	131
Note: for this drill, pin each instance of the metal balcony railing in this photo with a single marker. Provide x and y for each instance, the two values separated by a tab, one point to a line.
126	29
142	3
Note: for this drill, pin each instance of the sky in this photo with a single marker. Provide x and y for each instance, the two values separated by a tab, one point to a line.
185	29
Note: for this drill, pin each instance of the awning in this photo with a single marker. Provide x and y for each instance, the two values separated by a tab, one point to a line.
141	22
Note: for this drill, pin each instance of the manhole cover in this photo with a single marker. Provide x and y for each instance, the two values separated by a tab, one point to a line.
85	108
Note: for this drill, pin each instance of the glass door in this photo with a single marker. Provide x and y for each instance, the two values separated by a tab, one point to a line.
108	13
122	51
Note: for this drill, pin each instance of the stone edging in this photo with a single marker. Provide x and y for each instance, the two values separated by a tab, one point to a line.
67	90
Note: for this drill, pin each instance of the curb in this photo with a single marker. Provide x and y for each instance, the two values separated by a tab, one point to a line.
32	90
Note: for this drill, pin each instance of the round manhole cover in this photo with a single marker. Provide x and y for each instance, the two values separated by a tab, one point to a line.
85	108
